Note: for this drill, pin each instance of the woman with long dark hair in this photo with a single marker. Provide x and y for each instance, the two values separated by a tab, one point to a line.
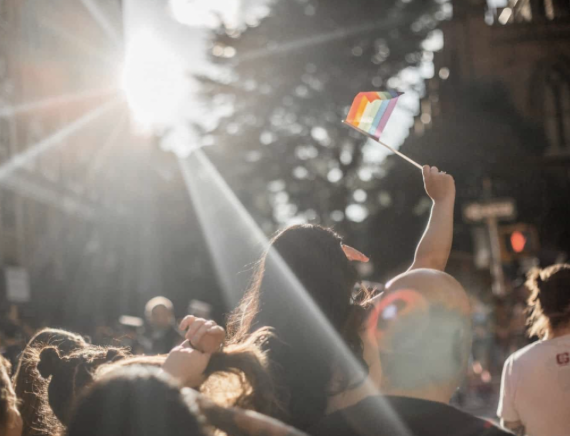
307	369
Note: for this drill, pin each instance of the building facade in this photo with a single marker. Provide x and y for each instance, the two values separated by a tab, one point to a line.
499	106
72	227
525	46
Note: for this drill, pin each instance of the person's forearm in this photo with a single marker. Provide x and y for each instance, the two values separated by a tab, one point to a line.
434	247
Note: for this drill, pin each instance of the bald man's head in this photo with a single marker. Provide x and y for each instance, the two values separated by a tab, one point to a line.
423	331
435	286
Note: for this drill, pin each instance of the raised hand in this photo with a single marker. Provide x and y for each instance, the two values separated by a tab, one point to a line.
204	335
439	185
186	364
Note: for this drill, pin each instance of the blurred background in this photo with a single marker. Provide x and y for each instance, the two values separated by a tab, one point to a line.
132	131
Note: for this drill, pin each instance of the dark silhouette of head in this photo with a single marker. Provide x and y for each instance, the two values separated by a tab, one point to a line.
31	388
159	312
422	328
549	301
69	375
135	401
300	360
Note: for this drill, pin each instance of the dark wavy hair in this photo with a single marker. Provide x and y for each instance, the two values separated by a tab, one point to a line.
236	376
300	360
7	398
251	386
549	301
135	401
31	389
68	375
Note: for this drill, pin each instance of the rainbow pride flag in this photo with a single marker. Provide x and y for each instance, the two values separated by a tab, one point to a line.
370	111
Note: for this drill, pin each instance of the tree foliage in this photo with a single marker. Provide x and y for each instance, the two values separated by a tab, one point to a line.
290	81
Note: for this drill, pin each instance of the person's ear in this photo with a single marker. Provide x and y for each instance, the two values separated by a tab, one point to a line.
390	309
353	254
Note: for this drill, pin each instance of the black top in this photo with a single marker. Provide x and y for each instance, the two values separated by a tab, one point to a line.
404	417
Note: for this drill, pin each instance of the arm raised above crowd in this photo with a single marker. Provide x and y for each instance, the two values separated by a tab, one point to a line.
434	247
187	365
202	334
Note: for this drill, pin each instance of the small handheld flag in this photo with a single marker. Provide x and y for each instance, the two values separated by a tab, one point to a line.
369	114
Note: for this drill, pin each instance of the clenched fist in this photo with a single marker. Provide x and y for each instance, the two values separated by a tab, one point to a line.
440	186
202	334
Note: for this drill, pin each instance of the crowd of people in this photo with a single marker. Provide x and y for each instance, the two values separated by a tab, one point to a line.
341	362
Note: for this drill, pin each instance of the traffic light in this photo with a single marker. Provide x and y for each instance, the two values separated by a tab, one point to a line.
517	241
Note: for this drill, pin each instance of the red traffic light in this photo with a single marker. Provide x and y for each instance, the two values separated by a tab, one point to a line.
518	241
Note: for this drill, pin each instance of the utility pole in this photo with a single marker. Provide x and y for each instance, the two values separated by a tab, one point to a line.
490	210
493	229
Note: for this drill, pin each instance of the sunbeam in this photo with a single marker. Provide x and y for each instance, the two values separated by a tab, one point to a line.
52	101
235	240
43	247
33	151
80	44
102	20
48	196
322	38
102	152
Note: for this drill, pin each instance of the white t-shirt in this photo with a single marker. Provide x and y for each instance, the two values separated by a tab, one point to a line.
535	388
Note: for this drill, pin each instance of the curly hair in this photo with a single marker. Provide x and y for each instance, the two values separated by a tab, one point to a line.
69	375
31	388
7	397
237	376
549	301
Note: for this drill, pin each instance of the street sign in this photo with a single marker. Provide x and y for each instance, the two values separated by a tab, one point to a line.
17	284
504	208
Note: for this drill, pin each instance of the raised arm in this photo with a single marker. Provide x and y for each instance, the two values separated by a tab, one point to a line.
434	247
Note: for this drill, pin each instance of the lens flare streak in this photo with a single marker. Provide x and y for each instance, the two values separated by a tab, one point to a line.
234	240
52	101
102	20
18	161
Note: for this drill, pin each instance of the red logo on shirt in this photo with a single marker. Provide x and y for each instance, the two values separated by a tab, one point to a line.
563	359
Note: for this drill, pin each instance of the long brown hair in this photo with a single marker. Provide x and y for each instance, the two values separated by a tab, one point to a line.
70	375
549	301
236	376
301	361
31	389
8	399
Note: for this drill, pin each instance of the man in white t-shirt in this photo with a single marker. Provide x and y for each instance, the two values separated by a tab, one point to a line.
535	388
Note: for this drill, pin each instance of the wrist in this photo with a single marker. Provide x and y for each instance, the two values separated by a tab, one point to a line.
444	201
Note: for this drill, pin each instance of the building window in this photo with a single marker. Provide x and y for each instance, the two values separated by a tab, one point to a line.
556	113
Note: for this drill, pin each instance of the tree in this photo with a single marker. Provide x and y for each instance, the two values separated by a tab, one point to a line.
479	135
290	81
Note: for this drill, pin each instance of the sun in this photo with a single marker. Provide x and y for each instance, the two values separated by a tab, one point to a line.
154	81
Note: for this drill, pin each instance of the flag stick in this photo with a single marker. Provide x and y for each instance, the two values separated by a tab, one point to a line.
402	155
